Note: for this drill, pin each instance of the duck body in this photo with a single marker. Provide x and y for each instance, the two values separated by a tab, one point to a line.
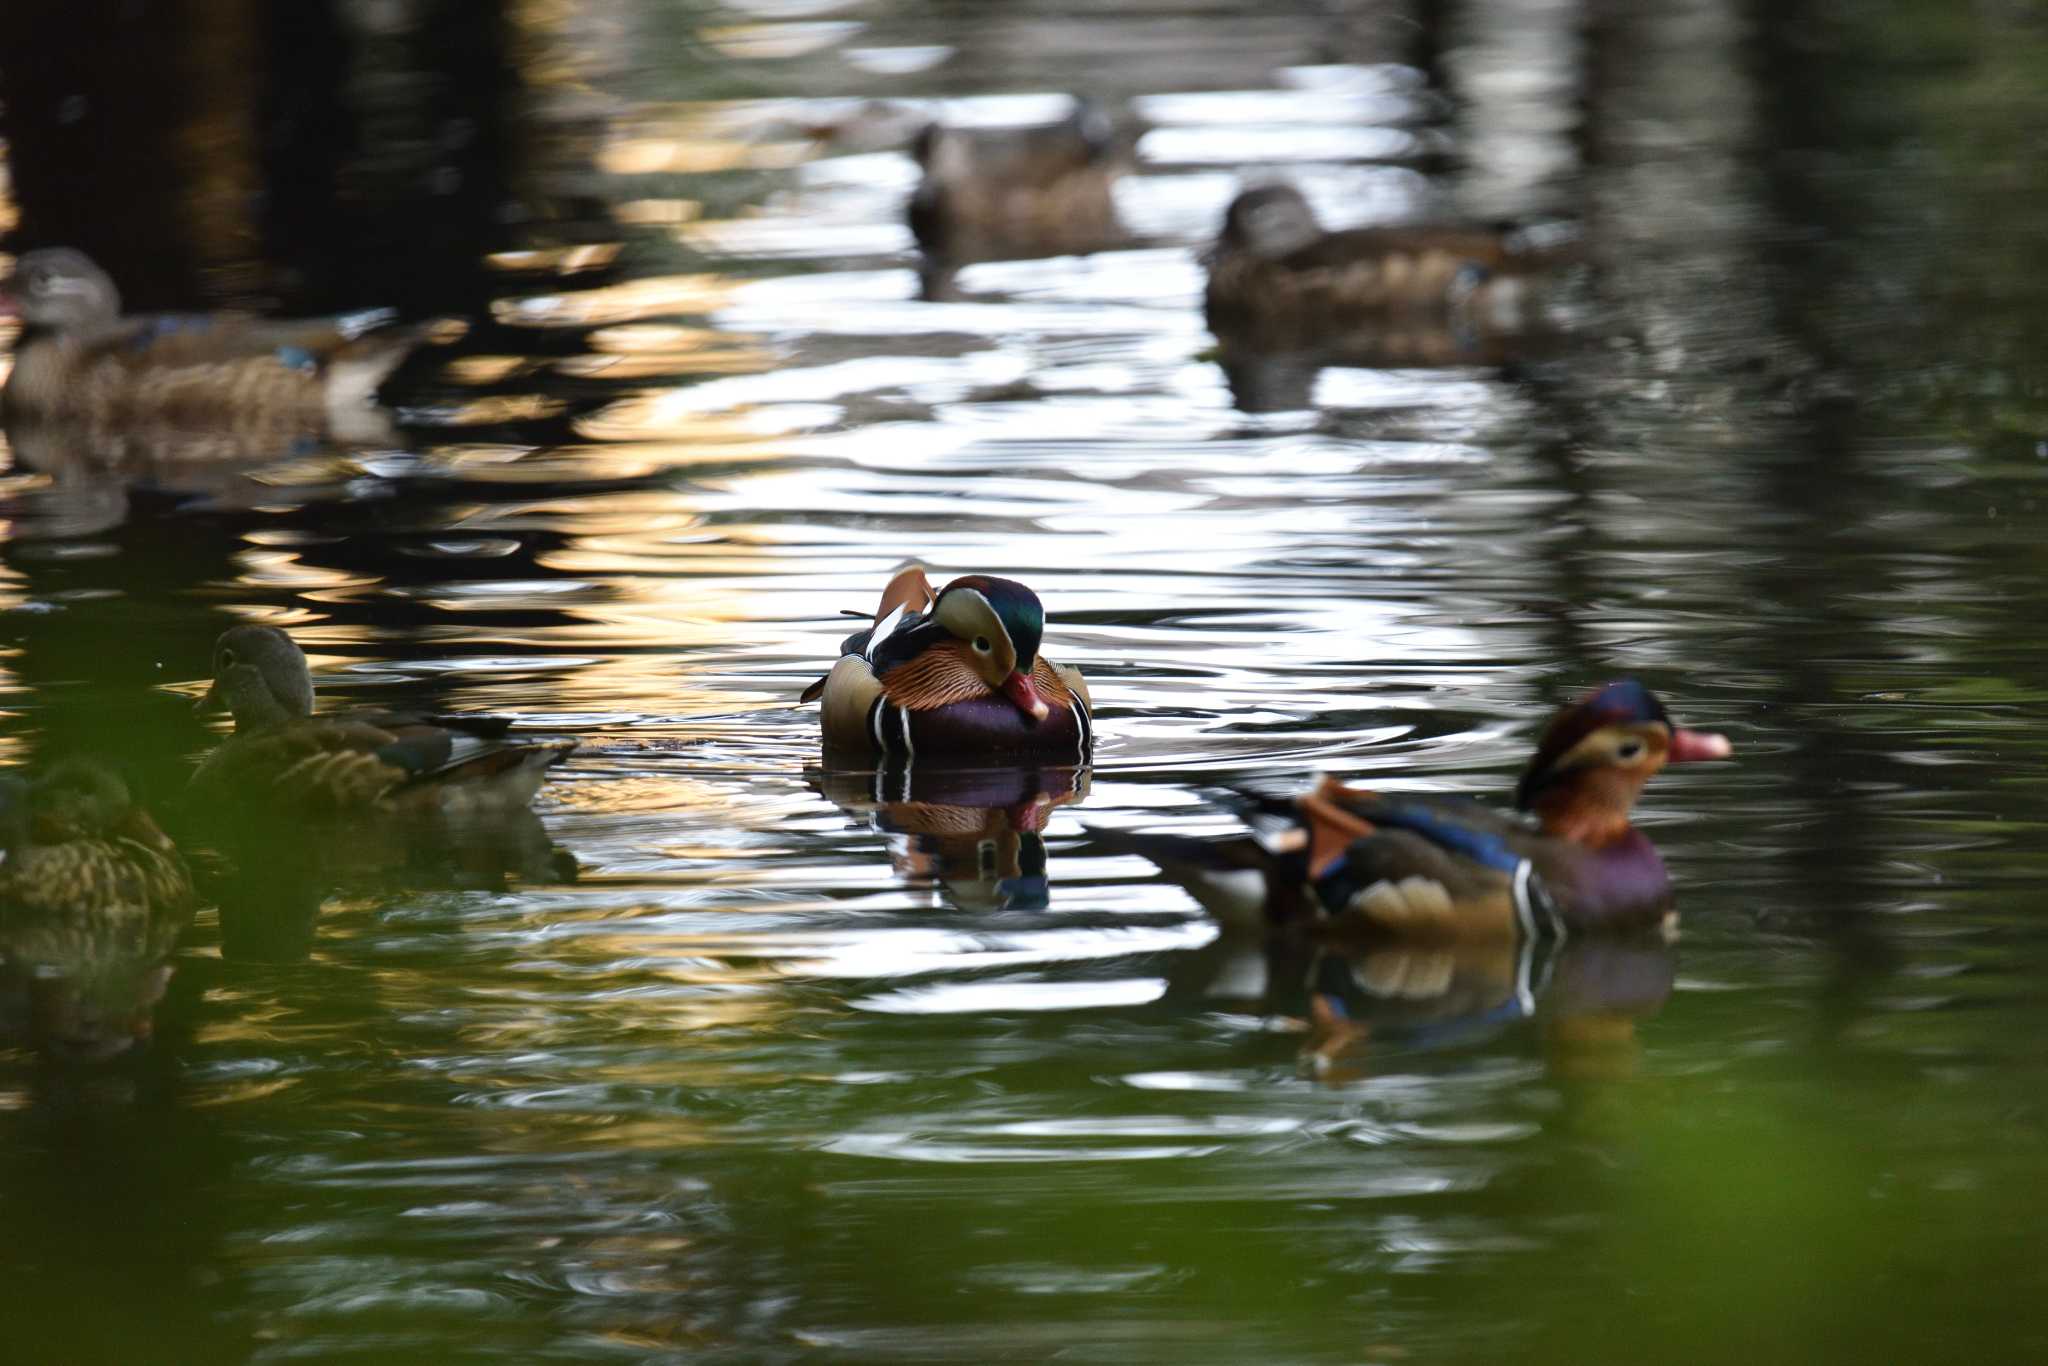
85	864
284	759
1277	278
93	899
263	383
1038	191
953	674
1371	864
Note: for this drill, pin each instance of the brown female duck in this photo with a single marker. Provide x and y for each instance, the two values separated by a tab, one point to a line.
954	674
1038	191
1275	270
283	759
81	360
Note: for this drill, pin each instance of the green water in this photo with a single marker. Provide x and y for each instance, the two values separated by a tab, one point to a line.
776	1077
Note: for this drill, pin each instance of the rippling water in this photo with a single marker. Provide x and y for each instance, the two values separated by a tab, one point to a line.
788	1070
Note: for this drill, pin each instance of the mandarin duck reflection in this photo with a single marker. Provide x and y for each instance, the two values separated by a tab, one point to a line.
283	760
93	897
979	832
248	382
1445	868
954	674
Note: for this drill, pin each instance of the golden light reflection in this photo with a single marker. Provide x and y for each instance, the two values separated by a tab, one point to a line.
571	260
628	301
656	213
777	41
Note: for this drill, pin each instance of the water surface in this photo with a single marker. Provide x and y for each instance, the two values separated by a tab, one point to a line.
787	1071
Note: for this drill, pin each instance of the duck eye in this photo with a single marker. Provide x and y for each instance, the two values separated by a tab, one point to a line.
39	283
227	658
1628	749
981	644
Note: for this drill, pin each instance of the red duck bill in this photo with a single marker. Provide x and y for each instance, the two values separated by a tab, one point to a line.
1023	694
1690	745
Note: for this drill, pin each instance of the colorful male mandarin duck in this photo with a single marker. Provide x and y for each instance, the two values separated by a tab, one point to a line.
81	360
284	759
954	674
1275	270
1037	191
1446	868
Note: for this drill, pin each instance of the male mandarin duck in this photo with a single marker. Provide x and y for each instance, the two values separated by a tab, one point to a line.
80	359
283	759
1446	868
93	897
1038	191
955	673
1275	270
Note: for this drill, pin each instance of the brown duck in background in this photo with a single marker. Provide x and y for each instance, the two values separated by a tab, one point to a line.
1276	277
254	385
285	761
93	898
1013	193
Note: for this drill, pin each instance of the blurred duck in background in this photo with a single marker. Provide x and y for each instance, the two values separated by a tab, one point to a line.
1286	298
1372	865
208	385
1015	193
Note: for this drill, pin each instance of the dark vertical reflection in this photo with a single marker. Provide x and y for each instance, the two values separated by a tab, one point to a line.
323	154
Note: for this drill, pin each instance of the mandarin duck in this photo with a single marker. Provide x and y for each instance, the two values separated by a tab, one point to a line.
1277	278
283	759
1446	868
252	382
1017	192
93	897
953	674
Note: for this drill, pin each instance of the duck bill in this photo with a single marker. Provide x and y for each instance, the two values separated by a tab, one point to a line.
1023	695
1688	746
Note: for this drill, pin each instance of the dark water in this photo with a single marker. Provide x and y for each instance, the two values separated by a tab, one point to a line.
781	1076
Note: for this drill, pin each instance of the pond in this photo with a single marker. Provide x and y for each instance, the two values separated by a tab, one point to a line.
732	1057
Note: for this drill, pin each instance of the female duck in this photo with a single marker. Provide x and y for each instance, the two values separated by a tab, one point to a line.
282	759
81	360
83	862
1274	267
1445	868
93	898
1036	191
955	673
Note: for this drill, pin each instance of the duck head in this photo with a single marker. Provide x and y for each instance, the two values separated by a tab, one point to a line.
1595	757
76	799
61	289
1000	621
1270	222
260	676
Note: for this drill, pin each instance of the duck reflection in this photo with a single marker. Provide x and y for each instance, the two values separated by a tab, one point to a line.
995	194
271	877
1356	1003
93	898
976	833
